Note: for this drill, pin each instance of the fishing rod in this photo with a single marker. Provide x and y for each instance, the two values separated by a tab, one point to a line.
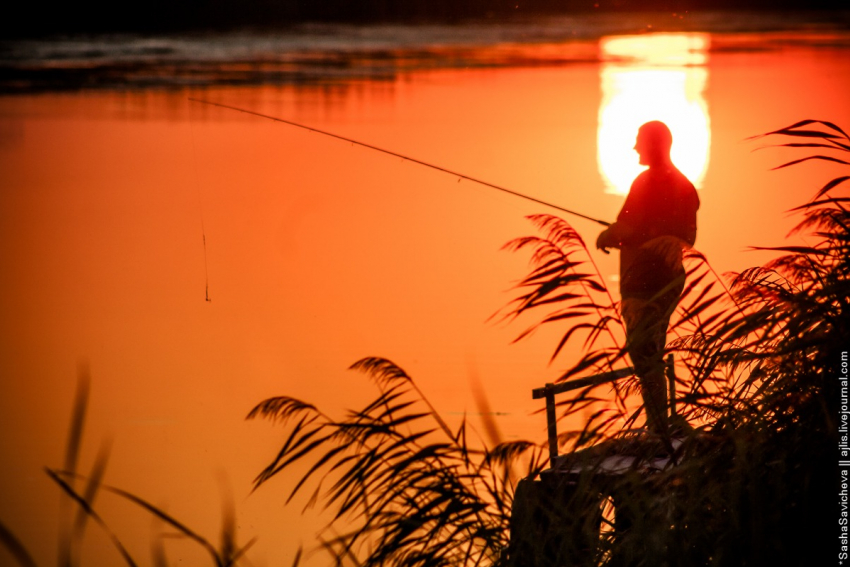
404	157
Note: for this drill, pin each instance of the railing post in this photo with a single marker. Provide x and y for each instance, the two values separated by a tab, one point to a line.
551	424
671	382
550	390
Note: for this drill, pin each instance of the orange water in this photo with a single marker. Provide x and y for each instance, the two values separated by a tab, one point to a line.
318	254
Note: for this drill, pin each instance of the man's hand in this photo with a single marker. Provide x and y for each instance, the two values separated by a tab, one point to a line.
606	240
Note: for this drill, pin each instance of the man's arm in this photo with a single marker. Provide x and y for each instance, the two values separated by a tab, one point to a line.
614	236
683	222
625	229
692	208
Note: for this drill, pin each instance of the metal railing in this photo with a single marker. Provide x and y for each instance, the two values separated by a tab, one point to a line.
550	390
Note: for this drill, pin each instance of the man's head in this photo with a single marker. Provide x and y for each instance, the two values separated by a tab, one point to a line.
653	143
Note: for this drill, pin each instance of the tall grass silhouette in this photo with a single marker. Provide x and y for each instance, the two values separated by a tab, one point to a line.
750	484
409	489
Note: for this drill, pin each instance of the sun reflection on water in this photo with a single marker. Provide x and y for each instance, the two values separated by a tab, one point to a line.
653	77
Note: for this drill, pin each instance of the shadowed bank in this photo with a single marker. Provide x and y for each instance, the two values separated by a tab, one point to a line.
160	16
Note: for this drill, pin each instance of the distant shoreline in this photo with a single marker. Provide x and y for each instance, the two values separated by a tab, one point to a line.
40	20
324	53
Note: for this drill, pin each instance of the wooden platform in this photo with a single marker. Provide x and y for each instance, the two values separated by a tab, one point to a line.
556	519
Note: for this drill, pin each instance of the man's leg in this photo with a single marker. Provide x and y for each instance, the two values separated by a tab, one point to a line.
646	333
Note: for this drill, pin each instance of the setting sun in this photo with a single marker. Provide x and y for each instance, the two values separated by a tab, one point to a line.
657	77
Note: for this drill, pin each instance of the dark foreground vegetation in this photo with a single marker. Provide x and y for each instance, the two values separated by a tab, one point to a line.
755	481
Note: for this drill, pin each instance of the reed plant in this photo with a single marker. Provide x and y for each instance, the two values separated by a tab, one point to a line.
751	482
407	489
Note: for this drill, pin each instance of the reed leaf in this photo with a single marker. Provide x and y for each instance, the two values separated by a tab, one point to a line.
89	511
15	548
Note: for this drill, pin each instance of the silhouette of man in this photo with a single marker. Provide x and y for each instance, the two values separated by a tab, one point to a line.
657	221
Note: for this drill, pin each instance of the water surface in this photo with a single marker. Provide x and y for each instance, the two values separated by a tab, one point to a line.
319	253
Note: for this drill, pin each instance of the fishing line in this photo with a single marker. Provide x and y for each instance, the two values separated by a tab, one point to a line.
404	157
201	211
